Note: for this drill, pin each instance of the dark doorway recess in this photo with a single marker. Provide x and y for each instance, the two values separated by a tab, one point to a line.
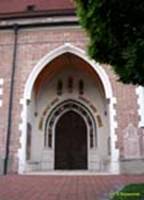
71	142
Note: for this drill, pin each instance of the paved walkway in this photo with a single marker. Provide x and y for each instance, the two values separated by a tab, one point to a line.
62	187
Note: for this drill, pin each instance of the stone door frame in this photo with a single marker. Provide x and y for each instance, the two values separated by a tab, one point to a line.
50	126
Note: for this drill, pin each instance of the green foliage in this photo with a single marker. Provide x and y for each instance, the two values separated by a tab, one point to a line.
130	192
134	187
116	32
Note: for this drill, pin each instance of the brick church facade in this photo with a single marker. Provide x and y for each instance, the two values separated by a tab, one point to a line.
60	110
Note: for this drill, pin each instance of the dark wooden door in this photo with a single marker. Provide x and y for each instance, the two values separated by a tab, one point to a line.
71	142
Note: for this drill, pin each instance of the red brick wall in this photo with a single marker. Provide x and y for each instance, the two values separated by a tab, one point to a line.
126	106
6	51
32	46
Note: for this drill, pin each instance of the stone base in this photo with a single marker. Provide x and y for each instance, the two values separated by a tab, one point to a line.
1	165
135	166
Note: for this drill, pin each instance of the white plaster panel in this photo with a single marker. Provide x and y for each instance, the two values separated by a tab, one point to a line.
1	91
0	103
1	81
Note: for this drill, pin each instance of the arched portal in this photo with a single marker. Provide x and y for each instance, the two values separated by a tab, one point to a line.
70	122
67	73
71	142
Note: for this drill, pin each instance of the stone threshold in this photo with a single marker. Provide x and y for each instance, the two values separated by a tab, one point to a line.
69	173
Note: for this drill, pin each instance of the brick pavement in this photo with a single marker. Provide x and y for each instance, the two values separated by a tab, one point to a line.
13	187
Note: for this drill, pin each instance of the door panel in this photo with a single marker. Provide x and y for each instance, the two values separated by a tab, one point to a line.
71	142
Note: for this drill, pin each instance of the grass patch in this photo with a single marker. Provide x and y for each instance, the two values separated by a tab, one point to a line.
130	192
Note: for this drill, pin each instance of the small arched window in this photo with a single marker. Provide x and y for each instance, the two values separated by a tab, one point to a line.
59	87
50	138
70	84
81	87
28	142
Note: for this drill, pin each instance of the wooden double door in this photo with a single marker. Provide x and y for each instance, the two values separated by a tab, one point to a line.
71	142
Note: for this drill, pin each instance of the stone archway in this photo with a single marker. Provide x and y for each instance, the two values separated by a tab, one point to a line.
108	98
71	142
71	116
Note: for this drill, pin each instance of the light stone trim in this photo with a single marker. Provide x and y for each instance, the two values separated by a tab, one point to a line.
0	103
68	48
39	20
22	127
140	102
1	91
1	81
114	152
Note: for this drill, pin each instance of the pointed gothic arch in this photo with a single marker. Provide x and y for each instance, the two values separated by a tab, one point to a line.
68	48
